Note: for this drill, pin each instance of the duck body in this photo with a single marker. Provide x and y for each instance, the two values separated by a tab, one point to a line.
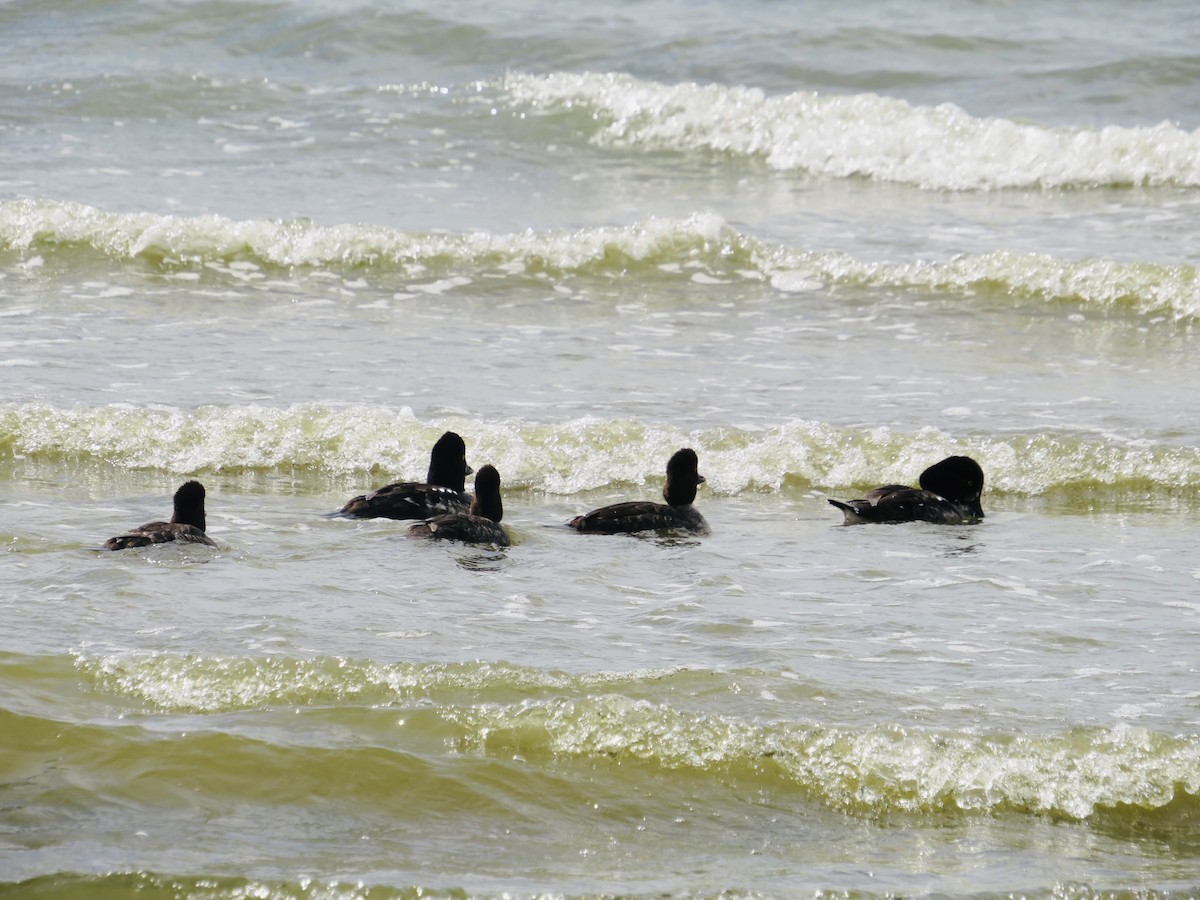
899	503
158	533
683	478
407	500
443	492
949	494
640	515
187	523
480	524
468	529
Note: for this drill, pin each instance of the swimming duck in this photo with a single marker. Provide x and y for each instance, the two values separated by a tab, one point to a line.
948	495
441	492
683	477
186	525
481	525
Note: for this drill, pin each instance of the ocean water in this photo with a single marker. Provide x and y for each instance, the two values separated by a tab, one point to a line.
281	247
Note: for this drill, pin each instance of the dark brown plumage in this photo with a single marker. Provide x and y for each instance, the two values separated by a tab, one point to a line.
481	525
683	477
948	495
186	526
442	492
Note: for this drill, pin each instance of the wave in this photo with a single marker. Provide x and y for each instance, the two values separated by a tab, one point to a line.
221	886
216	684
576	455
153	886
1115	776
877	770
502	711
864	135
700	245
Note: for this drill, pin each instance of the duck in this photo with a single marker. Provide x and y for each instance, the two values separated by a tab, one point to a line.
683	478
442	492
186	525
948	495
480	525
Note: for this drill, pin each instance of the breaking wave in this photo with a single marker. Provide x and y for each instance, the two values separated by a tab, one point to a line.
501	710
575	455
700	245
865	135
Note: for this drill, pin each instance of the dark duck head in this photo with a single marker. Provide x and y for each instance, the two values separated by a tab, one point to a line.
959	479
487	502
448	462
189	505
683	477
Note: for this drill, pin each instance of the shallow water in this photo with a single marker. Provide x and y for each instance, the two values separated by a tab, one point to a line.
283	248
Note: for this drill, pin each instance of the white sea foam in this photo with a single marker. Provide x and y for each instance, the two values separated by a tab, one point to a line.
574	456
865	135
702	244
873	770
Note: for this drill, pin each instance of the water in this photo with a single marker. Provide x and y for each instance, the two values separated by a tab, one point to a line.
281	248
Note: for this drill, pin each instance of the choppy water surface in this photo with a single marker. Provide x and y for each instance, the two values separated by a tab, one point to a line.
282	248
